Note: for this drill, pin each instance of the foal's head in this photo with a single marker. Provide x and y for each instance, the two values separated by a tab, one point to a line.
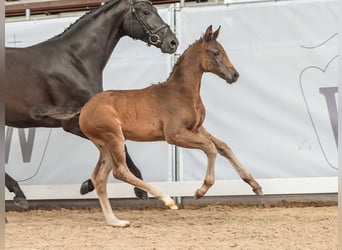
214	58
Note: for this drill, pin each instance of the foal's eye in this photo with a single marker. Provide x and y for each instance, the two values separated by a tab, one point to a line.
216	52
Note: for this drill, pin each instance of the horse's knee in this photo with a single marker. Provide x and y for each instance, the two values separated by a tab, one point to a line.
120	174
211	150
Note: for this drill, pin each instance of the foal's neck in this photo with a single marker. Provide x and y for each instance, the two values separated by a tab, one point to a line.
187	72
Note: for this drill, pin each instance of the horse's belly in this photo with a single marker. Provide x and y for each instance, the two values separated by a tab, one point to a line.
143	132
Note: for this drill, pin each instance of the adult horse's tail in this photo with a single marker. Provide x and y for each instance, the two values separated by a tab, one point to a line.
43	111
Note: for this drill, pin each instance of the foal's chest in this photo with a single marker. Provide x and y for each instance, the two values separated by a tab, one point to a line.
198	116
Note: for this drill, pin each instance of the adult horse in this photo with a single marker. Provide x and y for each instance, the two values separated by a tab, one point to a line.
66	71
171	111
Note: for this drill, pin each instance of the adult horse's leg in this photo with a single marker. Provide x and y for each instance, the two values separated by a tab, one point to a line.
87	186
224	150
13	186
141	194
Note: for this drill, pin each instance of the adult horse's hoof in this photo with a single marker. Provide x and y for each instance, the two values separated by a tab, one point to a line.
258	191
140	194
21	202
86	187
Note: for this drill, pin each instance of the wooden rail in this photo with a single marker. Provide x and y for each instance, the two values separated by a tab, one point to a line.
58	6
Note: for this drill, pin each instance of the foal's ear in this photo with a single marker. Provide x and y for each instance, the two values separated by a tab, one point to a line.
208	33
216	33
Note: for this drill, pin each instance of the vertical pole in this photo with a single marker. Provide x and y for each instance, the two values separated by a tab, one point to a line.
340	124
28	14
176	152
2	126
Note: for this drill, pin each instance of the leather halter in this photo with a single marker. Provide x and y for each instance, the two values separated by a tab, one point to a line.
153	38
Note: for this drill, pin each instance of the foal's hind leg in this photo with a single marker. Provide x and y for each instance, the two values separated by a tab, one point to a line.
224	150
99	178
87	186
121	171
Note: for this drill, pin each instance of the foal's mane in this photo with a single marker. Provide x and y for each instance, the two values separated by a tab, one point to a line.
82	18
180	59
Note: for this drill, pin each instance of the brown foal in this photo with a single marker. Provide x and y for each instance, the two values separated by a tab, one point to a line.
171	111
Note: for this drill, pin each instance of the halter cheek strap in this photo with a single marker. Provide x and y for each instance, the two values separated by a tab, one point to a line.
153	38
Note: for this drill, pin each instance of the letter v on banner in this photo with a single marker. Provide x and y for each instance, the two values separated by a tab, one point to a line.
25	150
329	94
26	143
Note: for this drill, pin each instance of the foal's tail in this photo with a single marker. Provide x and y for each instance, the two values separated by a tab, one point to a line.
42	111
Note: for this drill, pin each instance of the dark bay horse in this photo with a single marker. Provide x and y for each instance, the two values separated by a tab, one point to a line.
171	111
66	71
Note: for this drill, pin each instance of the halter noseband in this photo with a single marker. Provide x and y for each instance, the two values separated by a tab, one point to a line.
153	38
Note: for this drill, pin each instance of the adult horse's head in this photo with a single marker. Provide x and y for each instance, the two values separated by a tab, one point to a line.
215	58
143	22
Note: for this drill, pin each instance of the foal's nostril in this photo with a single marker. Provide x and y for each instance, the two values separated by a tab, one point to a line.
236	75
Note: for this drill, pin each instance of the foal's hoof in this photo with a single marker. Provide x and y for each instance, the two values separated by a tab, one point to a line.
173	206
86	187
198	194
140	194
120	223
258	191
170	203
21	202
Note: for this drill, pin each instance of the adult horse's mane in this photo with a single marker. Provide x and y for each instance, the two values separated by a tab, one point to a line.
81	19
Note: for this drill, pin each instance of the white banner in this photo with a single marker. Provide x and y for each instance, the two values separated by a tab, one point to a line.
280	118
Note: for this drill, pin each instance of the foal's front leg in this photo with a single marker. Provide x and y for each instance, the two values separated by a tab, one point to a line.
187	139
224	150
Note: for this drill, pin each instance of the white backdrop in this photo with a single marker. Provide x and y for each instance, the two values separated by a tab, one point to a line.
284	58
276	117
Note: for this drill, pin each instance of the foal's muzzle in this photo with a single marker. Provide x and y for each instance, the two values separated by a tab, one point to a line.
230	75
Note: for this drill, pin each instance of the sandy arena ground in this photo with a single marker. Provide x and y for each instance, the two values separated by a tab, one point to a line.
192	227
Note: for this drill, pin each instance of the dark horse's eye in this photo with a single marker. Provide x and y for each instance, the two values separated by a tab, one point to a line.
146	12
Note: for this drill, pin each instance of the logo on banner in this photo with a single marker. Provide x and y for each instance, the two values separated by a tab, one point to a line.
25	150
319	89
